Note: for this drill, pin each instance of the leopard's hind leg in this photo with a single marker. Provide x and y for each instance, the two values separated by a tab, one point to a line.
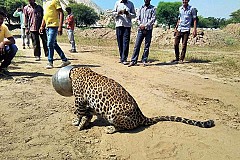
112	129
120	123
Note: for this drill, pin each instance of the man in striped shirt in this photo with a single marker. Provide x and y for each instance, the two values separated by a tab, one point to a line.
146	18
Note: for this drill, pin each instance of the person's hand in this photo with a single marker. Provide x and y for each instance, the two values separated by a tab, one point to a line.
59	31
27	31
41	30
2	47
125	12
175	32
194	33
142	27
120	12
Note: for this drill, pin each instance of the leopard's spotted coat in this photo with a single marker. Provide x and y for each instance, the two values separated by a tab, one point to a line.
102	96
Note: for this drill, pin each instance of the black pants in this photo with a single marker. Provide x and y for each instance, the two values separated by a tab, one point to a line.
123	39
36	43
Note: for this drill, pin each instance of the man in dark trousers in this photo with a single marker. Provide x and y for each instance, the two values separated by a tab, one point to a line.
123	12
33	19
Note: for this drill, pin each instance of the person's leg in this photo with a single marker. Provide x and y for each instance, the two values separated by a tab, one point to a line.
44	42
23	37
184	45
36	43
148	38
119	34
10	52
137	46
126	41
71	39
59	51
176	44
27	38
51	37
65	61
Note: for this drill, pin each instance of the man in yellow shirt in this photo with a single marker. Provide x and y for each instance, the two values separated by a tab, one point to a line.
53	21
8	49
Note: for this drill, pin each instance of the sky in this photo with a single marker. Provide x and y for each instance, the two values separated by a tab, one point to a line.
206	8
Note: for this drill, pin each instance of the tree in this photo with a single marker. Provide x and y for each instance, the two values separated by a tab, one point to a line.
9	6
203	22
2	8
83	14
235	16
211	22
167	13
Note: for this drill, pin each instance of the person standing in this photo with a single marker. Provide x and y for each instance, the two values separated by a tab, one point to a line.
187	14
70	22
53	21
25	35
8	49
33	19
146	18
123	12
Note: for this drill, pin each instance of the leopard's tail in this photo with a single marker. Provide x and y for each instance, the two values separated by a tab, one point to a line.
203	124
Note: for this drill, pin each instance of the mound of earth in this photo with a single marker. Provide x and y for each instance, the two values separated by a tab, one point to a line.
165	37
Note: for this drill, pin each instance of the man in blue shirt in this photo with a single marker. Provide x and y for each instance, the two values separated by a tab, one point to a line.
123	12
187	14
146	18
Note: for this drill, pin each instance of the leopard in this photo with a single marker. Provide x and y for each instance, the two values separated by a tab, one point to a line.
96	94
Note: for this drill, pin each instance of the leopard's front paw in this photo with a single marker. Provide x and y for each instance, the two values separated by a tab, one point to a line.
76	121
83	123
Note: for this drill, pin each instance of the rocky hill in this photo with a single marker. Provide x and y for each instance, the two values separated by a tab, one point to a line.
88	3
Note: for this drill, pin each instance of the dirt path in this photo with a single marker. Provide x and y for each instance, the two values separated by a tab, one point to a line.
35	121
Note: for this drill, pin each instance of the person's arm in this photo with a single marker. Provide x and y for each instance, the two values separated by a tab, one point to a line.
194	27
66	20
26	20
41	29
132	13
176	27
71	20
61	15
194	13
115	13
16	13
8	41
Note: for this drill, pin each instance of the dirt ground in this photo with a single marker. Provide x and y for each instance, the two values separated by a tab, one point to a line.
35	121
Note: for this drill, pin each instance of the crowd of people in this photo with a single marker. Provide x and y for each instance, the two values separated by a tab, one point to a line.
124	11
46	22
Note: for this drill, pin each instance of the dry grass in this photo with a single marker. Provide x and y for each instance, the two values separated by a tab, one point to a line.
222	57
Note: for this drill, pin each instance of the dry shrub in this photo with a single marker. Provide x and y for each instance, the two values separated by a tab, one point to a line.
233	29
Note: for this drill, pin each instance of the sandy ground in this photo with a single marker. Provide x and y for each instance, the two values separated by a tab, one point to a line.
35	121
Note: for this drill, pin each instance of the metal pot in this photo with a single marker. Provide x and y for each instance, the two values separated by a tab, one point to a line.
61	81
